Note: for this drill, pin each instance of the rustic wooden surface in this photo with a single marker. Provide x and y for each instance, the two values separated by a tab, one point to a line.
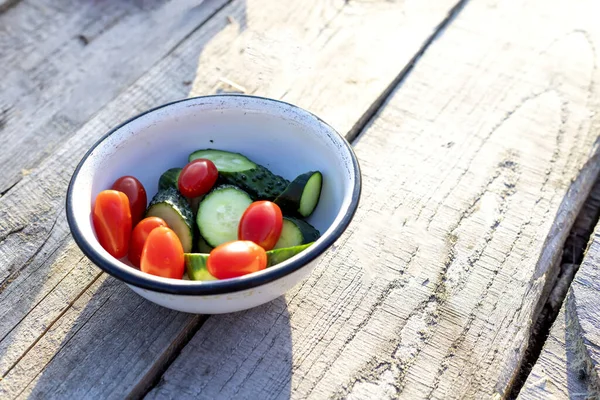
585	296
558	372
474	169
569	367
562	369
58	310
65	60
466	169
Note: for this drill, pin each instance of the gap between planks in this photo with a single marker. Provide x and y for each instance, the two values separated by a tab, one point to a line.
6	4
574	250
364	121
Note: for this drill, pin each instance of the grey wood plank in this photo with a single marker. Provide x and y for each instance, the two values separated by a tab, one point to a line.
585	296
473	173
43	275
57	77
560	372
32	31
567	368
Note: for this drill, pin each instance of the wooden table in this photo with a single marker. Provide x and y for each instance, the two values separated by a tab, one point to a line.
476	124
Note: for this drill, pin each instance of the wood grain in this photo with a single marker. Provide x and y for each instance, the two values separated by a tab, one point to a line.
545	361
585	296
43	276
62	61
560	371
473	174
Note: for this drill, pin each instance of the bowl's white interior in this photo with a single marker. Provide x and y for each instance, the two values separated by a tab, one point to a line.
283	138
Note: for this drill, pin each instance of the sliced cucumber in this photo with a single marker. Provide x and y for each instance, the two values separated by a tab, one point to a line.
169	179
236	169
195	264
220	212
302	194
296	232
277	256
259	182
173	208
203	247
225	161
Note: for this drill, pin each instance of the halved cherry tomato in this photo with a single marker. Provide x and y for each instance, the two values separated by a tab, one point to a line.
197	178
112	222
261	223
236	258
135	193
139	235
163	254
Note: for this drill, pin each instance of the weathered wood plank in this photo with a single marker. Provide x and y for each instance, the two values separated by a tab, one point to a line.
37	256
33	30
467	203
56	78
566	367
559	372
548	369
585	296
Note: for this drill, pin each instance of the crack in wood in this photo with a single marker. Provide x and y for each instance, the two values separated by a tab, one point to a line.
49	325
573	252
8	188
5	5
366	119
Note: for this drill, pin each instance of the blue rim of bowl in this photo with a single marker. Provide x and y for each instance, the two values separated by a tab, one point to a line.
204	288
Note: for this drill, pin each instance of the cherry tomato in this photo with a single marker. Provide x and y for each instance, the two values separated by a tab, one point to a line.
261	223
163	254
112	222
137	196
236	258
197	178
139	235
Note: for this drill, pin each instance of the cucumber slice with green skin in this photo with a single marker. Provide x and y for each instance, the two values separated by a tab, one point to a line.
277	256
259	182
203	247
195	264
296	232
225	161
220	212
302	194
169	179
238	170
174	209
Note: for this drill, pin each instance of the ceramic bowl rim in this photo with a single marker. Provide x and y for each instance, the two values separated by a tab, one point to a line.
199	288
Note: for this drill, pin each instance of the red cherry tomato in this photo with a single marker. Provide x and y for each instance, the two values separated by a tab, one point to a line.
236	258
139	235
163	254
137	196
261	223
112	222
197	178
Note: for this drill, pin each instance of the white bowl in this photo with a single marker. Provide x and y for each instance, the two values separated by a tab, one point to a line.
284	138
